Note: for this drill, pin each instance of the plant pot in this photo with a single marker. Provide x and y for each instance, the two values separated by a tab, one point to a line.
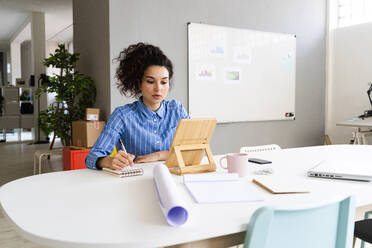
74	159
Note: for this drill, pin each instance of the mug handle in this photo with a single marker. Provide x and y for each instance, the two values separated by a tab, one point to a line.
221	164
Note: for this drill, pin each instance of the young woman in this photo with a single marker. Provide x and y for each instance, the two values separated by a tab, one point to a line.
145	127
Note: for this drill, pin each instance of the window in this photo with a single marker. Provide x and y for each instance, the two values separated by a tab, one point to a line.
351	12
70	47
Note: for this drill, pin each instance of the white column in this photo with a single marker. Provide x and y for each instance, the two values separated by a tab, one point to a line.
93	44
8	74
332	6
37	60
15	55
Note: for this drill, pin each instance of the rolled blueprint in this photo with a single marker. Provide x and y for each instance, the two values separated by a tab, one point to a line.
170	200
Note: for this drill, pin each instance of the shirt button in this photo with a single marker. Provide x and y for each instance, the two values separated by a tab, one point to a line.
157	142
154	119
155	131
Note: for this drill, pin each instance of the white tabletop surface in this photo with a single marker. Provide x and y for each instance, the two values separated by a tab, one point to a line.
356	122
87	208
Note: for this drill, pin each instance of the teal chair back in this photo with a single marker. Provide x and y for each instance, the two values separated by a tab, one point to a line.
328	225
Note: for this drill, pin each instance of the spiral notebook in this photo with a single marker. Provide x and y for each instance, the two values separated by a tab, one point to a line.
126	172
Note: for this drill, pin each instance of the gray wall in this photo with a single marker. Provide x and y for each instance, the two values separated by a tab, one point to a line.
163	23
26	66
91	40
5	50
2	73
4	67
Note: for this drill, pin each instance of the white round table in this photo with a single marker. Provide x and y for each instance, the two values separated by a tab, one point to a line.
88	208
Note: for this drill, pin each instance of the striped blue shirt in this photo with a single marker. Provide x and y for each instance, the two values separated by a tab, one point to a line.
142	130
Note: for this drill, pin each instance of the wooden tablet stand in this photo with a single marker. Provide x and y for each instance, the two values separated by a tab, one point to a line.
190	143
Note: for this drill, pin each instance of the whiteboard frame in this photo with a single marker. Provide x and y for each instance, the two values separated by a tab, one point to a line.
284	118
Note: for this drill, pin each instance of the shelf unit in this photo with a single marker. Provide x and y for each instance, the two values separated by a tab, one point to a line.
16	100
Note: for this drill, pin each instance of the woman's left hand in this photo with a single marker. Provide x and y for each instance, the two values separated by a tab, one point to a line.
152	157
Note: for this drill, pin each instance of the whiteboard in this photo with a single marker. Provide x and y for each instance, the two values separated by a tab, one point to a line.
240	75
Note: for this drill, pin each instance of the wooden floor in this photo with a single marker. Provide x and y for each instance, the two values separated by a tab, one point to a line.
16	161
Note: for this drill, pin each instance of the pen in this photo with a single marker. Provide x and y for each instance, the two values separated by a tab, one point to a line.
123	148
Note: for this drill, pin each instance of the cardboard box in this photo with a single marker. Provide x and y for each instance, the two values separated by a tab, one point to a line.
85	133
92	114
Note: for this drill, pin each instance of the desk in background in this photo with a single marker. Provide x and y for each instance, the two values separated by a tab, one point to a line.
359	135
87	208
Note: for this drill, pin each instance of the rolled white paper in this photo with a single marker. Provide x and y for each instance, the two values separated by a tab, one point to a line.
170	200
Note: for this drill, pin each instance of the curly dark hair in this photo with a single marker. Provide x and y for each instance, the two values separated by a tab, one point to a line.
133	62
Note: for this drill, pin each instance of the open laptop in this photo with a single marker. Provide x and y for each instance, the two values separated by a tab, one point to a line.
356	169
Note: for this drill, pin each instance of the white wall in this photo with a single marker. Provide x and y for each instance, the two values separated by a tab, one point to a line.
50	48
351	57
21	34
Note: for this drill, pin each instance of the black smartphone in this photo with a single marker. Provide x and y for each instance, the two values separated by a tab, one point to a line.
259	161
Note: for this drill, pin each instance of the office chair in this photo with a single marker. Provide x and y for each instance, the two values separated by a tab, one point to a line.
321	226
249	149
363	230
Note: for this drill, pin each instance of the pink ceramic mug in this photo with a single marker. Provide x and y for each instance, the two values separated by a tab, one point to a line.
236	163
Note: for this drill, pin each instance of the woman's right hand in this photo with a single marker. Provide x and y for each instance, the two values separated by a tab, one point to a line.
120	160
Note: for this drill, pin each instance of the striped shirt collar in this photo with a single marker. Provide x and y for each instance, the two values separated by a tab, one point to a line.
148	112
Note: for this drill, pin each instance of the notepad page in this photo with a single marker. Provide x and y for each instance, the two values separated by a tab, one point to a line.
126	172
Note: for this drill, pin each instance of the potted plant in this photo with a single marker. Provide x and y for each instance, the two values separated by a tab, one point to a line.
73	91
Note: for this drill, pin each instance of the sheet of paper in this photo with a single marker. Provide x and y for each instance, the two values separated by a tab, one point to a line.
212	176
220	188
